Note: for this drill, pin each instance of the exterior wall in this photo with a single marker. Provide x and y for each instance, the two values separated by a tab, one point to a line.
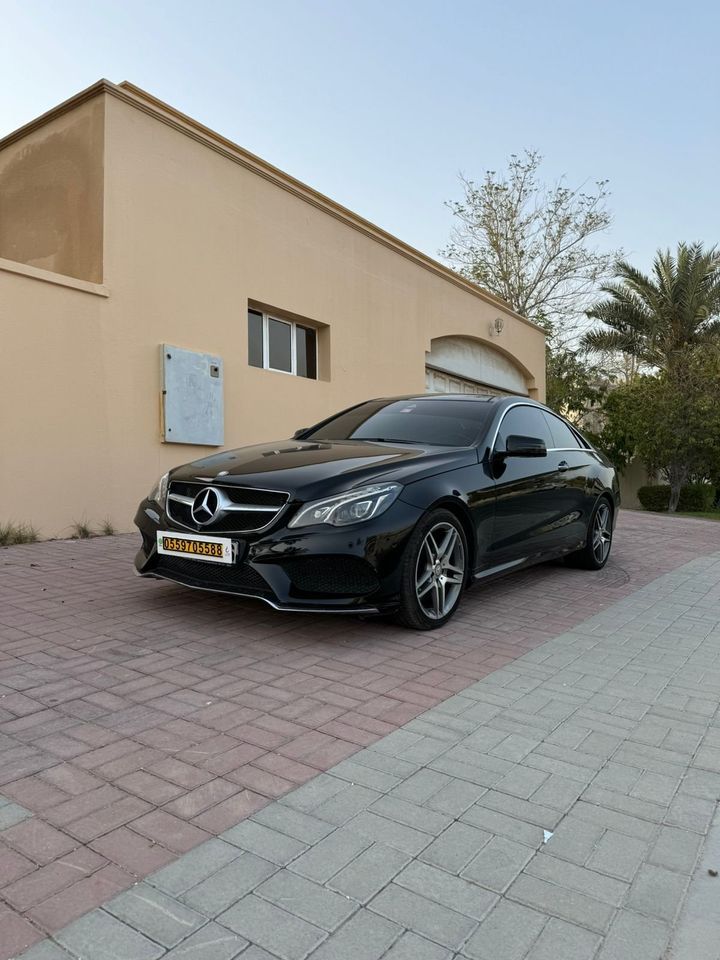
191	236
476	361
51	194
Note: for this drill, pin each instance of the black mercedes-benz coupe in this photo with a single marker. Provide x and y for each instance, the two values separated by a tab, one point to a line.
392	506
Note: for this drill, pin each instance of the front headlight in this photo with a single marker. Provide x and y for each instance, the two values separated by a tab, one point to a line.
355	506
159	491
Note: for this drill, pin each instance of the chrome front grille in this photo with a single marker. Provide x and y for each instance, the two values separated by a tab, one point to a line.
243	509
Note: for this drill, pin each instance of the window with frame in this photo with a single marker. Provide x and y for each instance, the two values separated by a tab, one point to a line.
281	345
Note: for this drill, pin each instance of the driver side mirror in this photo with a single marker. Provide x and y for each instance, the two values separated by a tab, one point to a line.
298	433
516	446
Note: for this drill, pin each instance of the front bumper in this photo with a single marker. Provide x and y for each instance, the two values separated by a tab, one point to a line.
354	569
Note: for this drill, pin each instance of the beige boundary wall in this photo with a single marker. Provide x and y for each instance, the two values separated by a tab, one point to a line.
188	229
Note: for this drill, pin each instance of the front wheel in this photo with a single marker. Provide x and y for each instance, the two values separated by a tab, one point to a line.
434	572
594	555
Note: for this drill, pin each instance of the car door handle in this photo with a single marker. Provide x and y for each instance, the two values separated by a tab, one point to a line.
563	466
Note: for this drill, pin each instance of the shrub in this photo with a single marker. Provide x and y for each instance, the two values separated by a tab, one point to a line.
12	533
694	497
107	529
81	530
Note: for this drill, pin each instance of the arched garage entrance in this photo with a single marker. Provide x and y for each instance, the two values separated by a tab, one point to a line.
464	365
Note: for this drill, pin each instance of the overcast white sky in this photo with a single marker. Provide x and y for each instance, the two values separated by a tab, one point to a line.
379	103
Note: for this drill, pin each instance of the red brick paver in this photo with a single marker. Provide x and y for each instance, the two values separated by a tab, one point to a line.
138	718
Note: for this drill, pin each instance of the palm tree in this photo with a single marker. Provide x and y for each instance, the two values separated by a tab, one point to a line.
657	318
663	321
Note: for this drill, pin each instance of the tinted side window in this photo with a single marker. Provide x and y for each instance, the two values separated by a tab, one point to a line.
524	422
562	434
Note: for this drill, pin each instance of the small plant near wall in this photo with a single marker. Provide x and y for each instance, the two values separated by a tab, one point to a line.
81	530
13	533
107	529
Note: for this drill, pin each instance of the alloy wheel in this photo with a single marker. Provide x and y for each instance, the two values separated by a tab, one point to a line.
440	571
602	533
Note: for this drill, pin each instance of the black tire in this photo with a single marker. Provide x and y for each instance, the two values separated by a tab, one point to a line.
593	556
446	579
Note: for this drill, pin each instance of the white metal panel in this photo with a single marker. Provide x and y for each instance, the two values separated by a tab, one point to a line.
192	397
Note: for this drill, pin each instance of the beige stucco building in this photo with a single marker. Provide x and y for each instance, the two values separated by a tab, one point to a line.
127	231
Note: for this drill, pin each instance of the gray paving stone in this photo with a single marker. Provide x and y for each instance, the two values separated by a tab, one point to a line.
193	867
423	916
366	776
676	849
618	855
306	899
655	787
498	864
525	810
614	820
102	937
381	830
693	813
420	786
453	892
12	813
507	934
633	806
578	878
231	882
155	914
366	936
556	792
657	892
411	814
561	902
412	947
46	950
564	941
368	873
455	847
634	937
346	804
498	823
522	781
379	761
273	929
574	839
702	783
212	942
316	791
617	776
455	798
293	823
264	842
330	855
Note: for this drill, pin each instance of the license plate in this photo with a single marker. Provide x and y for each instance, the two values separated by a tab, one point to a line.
212	549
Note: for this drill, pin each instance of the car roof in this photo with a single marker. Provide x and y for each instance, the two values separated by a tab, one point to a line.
469	397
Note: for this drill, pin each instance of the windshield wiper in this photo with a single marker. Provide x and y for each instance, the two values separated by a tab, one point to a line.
389	440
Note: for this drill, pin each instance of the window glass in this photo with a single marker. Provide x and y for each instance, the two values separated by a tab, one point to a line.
524	422
255	338
563	436
451	423
279	345
306	347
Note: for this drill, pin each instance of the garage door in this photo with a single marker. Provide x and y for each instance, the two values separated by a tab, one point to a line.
436	381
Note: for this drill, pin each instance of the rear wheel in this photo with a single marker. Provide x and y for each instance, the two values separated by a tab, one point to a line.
594	555
434	572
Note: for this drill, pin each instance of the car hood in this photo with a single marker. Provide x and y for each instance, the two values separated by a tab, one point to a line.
307	470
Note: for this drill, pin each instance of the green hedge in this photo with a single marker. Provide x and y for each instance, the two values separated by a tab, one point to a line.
694	498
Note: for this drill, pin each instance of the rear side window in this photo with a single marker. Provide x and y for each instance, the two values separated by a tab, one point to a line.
563	437
524	422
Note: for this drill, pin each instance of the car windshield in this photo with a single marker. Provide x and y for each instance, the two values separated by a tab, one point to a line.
446	423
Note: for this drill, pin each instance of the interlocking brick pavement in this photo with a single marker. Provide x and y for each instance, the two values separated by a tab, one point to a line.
138	720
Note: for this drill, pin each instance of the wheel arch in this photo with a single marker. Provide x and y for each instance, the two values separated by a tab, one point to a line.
462	514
